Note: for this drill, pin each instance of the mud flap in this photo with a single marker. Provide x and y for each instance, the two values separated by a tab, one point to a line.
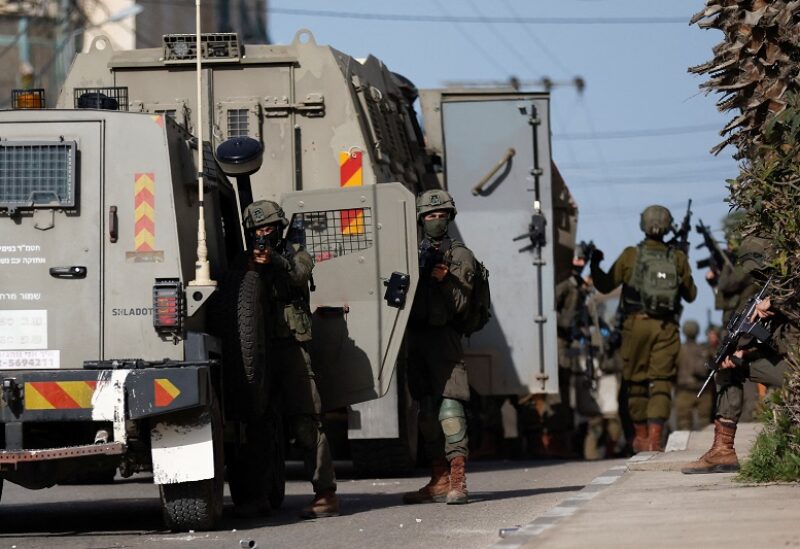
182	448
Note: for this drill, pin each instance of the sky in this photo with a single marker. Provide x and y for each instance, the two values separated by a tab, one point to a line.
638	135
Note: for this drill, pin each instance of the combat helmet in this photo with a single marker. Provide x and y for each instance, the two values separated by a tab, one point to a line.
655	220
435	200
691	328
261	213
754	253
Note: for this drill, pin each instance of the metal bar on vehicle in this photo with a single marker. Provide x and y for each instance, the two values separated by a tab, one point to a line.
478	188
19	456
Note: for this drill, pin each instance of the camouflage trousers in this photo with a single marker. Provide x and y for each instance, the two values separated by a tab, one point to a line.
730	384
436	371
302	407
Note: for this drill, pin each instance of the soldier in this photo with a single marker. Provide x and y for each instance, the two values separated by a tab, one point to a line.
654	278
286	271
761	363
572	325
733	286
692	372
437	376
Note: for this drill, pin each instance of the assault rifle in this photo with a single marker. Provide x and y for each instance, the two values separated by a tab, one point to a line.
739	325
261	243
717	258
681	238
429	257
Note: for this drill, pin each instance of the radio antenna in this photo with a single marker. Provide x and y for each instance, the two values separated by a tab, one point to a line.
202	270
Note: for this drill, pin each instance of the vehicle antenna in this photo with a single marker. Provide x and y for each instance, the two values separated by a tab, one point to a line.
202	271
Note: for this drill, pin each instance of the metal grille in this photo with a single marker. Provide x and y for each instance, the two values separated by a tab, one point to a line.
238	123
333	233
109	99
28	99
37	173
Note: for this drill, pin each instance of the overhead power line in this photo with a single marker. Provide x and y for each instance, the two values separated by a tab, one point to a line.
428	18
627	134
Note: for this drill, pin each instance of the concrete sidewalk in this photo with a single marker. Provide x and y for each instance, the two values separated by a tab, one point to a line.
654	505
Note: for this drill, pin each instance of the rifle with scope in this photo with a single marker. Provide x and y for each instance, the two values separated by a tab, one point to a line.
742	323
681	232
717	258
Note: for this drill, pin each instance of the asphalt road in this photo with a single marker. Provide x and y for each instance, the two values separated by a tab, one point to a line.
127	513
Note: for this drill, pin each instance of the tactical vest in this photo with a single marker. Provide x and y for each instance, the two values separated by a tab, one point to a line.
654	287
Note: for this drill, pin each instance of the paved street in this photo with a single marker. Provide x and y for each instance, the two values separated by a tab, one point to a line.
127	514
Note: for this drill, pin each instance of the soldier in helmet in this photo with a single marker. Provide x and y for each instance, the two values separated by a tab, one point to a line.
692	372
762	363
733	285
437	376
654	278
286	271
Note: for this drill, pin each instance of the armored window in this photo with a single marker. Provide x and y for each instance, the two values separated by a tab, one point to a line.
333	233
37	173
110	99
238	123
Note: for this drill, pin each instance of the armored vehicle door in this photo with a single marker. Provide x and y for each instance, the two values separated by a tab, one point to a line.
50	242
364	245
495	149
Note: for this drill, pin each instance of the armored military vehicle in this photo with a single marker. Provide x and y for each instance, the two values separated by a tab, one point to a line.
336	129
111	358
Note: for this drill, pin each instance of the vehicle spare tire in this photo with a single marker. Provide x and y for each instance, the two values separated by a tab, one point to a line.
242	324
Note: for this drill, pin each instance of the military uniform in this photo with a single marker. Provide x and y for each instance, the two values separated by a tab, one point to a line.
692	372
650	345
734	286
437	376
762	363
286	277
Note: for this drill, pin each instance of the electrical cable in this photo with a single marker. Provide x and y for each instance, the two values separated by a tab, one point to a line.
424	18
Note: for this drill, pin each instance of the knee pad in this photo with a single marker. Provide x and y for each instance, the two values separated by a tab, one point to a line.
453	420
305	429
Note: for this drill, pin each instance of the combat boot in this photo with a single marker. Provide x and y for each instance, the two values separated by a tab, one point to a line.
655	432
721	458
458	482
324	504
436	490
641	441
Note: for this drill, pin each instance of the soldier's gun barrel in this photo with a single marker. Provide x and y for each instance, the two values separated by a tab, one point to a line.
739	325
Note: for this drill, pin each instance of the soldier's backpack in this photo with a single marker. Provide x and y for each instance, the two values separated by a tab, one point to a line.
655	277
479	310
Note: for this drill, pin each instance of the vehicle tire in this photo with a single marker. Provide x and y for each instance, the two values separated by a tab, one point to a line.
2	481
256	468
244	337
197	505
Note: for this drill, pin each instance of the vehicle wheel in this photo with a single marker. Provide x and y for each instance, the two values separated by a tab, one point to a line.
197	505
244	337
256	470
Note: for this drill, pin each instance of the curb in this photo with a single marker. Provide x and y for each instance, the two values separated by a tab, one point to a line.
525	534
517	537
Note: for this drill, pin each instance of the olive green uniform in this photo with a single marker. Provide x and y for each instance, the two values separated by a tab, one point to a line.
734	287
436	368
692	372
570	298
287	277
764	364
650	345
